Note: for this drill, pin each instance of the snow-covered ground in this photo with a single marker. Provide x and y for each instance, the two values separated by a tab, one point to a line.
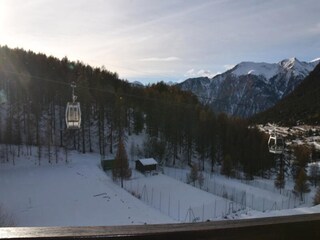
285	212
79	193
259	194
75	194
178	200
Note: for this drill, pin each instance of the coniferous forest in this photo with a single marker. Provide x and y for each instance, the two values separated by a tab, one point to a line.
34	90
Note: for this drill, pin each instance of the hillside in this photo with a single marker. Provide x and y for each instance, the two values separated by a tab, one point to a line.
179	130
51	175
79	193
249	87
301	106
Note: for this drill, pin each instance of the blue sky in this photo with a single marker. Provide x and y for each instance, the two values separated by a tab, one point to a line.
169	40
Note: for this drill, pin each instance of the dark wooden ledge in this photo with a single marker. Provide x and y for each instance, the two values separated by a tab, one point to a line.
303	227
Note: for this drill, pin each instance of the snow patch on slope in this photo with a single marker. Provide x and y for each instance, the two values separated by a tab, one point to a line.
259	69
316	60
269	70
296	67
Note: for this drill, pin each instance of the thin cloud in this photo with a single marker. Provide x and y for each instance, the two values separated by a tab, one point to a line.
132	36
158	59
315	29
201	73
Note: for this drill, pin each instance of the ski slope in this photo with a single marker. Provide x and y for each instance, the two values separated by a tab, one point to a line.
75	194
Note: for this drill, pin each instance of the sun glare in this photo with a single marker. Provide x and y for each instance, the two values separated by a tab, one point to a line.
3	16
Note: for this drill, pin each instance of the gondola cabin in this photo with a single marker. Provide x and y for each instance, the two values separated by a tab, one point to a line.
73	115
276	144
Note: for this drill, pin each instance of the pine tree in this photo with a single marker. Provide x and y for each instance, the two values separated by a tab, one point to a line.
314	174
301	184
121	169
201	179
226	168
316	199
302	154
280	182
132	151
66	154
193	175
138	122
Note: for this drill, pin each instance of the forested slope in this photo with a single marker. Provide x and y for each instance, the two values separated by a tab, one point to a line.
35	89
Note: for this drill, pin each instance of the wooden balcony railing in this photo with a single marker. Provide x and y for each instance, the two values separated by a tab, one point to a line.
302	227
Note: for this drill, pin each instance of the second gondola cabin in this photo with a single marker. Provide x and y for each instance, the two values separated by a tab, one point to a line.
73	115
276	144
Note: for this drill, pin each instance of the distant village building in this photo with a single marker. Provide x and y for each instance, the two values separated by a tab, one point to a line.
146	165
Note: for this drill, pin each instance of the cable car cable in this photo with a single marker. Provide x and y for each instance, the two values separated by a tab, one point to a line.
122	94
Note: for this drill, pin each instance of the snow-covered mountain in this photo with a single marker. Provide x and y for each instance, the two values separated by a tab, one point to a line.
249	87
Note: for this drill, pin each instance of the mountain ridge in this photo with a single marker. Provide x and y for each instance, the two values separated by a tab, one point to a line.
249	87
300	106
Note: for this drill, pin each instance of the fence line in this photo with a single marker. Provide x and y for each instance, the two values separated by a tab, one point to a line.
177	208
235	200
243	198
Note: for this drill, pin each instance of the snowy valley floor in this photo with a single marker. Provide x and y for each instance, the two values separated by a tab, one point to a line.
81	194
75	194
